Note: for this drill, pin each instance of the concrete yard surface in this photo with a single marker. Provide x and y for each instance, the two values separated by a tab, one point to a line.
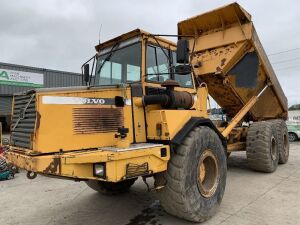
250	198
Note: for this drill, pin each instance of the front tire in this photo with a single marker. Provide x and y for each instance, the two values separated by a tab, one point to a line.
196	177
110	188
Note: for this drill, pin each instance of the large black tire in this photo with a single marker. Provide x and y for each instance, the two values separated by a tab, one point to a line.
188	193
282	140
10	176
262	147
293	137
3	165
110	188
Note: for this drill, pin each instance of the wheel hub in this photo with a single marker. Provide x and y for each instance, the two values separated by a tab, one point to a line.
202	172
208	173
273	148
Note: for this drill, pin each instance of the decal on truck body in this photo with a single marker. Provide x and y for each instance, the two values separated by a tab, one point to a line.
61	100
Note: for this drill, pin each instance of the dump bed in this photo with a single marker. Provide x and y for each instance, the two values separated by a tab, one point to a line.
228	56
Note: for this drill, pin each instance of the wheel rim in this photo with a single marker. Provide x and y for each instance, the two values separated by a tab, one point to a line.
208	174
285	144
273	148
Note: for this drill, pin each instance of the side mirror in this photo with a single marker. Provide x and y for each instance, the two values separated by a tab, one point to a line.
86	73
182	52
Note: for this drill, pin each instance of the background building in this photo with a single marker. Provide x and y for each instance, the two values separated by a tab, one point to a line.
18	78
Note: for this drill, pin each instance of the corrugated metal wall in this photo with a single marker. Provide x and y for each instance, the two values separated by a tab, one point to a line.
52	78
5	105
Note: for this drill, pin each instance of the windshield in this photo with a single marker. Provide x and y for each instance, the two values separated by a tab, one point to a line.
122	65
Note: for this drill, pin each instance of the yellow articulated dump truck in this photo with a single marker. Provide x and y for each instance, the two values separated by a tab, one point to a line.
143	113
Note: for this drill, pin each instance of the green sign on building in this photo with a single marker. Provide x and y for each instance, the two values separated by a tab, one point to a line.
20	78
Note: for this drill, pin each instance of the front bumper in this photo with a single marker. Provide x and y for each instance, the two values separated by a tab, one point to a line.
79	164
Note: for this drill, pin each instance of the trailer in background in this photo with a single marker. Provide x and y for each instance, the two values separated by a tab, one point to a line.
18	78
293	125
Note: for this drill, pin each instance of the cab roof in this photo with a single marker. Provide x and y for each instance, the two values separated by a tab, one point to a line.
128	35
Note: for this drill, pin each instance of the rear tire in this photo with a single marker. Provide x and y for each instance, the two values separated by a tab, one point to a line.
282	140
196	177
110	188
228	154
262	148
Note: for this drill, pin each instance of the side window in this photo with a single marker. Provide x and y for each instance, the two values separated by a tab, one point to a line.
183	80
157	64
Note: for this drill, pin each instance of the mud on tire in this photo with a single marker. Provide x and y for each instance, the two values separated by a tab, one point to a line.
262	146
110	188
190	193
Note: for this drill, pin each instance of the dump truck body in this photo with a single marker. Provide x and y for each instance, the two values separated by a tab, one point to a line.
228	56
144	113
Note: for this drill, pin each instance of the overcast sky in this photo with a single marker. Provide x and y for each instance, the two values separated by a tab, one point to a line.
62	34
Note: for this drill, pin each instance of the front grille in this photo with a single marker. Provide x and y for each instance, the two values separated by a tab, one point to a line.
97	120
135	170
23	120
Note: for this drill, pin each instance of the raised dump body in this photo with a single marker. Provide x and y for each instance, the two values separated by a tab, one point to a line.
228	56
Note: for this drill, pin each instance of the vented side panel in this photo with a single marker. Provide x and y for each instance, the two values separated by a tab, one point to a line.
97	120
23	120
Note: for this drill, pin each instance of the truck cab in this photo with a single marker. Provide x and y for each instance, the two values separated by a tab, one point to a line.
138	56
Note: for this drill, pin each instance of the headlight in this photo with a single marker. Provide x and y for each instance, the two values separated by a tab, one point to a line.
99	170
